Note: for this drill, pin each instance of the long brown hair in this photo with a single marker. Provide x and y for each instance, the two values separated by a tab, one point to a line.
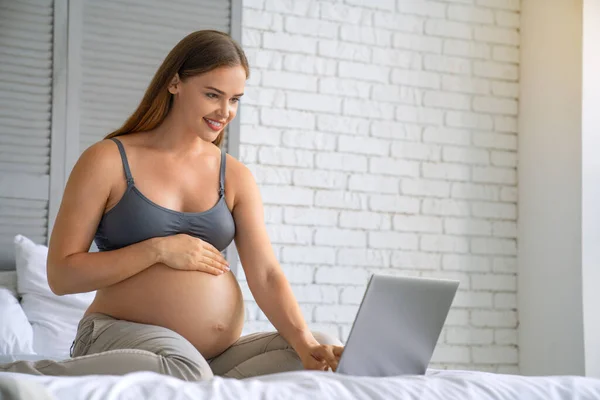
197	53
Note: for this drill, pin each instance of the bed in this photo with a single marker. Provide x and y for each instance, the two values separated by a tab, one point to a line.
35	325
435	385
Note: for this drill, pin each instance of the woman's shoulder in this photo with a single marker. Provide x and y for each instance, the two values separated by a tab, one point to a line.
100	162
240	182
102	153
236	169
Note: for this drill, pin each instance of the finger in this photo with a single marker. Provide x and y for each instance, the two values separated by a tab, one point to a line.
211	270
210	266
212	249
222	263
338	350
217	256
322	356
330	358
223	259
214	263
316	365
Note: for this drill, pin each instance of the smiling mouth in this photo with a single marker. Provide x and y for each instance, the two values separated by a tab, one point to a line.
214	125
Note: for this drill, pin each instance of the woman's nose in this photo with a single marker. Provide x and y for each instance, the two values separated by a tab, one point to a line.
224	110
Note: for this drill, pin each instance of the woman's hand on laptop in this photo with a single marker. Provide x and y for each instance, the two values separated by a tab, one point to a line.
321	357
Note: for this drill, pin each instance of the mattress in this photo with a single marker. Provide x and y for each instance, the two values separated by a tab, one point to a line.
309	385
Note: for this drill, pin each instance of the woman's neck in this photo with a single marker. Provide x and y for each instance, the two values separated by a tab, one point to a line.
174	137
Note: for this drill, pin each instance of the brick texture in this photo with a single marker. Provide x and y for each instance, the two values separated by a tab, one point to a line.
382	135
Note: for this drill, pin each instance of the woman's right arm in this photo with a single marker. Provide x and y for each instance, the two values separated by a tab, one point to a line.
71	268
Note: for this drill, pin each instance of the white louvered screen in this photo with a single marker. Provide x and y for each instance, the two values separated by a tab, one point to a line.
25	121
124	43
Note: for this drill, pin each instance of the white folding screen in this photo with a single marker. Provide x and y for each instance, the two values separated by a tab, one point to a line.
26	35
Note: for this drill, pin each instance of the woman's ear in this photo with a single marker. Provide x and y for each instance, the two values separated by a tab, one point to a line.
174	84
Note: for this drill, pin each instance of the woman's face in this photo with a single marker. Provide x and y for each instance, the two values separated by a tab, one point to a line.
208	102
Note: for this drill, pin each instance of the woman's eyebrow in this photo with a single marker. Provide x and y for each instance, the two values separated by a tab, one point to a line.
222	92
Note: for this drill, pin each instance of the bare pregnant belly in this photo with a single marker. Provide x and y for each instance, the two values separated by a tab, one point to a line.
207	310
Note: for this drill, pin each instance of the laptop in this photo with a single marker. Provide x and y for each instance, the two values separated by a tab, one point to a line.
397	326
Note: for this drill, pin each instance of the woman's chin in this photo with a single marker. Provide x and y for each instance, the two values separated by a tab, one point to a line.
209	136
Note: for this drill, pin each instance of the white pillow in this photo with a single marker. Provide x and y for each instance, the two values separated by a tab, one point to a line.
16	335
54	318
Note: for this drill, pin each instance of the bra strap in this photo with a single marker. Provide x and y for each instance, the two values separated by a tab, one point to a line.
124	159
222	174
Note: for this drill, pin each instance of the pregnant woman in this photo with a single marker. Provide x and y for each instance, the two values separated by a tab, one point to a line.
161	200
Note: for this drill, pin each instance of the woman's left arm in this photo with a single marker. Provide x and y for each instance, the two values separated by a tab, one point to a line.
266	279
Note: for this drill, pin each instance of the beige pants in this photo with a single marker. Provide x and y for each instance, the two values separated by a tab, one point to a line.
108	346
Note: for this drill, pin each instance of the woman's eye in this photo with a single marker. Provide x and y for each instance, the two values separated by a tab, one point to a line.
211	95
235	99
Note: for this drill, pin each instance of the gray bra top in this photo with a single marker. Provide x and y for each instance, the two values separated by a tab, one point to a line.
136	218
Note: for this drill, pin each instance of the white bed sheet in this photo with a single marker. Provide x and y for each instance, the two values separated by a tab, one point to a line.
312	385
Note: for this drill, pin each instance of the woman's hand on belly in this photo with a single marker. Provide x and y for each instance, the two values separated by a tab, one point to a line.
187	253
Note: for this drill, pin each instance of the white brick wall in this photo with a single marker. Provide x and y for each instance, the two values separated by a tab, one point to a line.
382	135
